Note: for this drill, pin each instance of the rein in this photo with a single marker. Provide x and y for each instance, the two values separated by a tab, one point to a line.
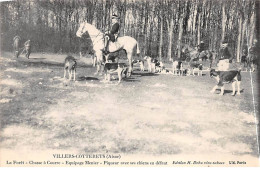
95	36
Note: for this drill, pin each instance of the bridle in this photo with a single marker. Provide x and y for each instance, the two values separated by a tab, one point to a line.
95	36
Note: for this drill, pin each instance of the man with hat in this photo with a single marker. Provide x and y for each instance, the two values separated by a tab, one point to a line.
201	46
225	57
253	53
113	34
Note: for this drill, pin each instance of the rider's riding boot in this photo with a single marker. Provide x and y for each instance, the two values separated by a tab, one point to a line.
106	47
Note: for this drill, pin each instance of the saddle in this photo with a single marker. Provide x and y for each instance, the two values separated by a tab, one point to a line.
112	37
110	43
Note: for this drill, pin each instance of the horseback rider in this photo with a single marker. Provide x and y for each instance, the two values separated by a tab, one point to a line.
201	46
225	57
201	49
113	33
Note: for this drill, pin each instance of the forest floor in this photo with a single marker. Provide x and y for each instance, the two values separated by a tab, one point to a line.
146	117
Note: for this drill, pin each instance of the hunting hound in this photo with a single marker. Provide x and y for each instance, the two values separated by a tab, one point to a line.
140	62
225	77
177	67
70	65
111	68
196	68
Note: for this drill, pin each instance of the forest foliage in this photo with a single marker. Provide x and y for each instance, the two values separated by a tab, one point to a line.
162	27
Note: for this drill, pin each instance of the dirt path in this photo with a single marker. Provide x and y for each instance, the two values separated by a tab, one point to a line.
144	115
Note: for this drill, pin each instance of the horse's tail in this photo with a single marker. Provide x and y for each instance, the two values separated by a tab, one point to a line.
137	48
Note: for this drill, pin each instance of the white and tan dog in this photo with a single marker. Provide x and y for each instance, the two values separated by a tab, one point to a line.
140	62
159	66
149	63
196	68
153	64
177	68
113	67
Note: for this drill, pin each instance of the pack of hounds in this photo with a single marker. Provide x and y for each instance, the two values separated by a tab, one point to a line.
155	66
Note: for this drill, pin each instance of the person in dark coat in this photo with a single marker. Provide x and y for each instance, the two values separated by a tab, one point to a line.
244	57
201	54
254	51
225	57
253	55
201	46
113	33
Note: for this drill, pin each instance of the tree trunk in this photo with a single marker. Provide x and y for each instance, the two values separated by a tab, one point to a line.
194	23
198	34
224	20
252	30
239	38
146	27
161	39
180	36
243	38
169	54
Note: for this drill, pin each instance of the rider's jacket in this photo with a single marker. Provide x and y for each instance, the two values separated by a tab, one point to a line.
114	30
201	47
225	54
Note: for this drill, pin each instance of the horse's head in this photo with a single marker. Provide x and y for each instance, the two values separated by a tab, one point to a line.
81	30
91	29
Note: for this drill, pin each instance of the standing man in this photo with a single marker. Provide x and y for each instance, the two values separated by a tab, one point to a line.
225	57
244	57
113	34
253	53
16	45
27	47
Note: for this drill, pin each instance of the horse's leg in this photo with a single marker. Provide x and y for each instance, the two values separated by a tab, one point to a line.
70	74
94	59
74	74
129	57
99	56
64	73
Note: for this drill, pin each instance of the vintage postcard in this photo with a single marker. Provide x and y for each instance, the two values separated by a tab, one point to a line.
129	83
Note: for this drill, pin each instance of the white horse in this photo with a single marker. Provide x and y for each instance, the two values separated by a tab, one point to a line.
129	44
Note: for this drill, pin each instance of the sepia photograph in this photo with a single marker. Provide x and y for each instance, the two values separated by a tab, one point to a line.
129	83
